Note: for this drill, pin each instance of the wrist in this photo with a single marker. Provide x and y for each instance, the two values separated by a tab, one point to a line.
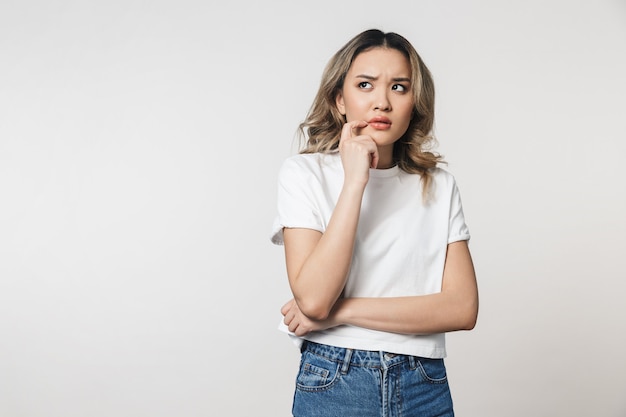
341	312
352	185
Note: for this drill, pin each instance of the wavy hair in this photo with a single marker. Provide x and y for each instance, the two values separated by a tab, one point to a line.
322	127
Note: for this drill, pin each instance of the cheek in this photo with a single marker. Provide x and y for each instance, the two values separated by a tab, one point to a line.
355	107
353	114
407	114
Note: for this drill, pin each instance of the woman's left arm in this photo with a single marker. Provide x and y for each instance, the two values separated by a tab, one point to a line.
454	308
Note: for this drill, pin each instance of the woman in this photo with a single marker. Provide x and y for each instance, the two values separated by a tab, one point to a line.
375	240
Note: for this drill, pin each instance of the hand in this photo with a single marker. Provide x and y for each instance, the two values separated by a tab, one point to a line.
299	324
359	153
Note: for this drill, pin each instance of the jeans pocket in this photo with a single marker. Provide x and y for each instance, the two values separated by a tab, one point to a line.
433	370
316	373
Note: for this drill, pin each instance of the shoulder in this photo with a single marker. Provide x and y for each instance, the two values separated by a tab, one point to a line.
310	164
441	174
443	183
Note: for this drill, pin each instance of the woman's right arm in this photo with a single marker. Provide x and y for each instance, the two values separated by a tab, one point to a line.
318	264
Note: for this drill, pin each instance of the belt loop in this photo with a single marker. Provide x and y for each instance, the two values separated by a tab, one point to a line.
346	361
412	362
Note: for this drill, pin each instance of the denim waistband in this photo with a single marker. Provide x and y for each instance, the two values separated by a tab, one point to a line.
355	357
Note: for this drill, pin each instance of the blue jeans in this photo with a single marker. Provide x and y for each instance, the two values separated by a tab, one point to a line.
338	382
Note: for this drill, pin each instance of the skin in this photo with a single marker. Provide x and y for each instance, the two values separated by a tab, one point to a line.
377	101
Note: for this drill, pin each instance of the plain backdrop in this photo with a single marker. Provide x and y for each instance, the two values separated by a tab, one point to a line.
140	143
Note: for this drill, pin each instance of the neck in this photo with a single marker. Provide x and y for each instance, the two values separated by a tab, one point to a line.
382	165
385	158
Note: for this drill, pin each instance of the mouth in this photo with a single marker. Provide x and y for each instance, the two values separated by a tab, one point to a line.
379	123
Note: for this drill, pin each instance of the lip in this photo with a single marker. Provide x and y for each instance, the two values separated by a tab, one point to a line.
379	123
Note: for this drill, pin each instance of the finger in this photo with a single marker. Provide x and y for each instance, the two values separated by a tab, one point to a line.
293	326
285	308
374	160
350	129
290	316
355	130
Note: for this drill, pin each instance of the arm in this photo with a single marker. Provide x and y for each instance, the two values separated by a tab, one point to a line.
318	264
454	308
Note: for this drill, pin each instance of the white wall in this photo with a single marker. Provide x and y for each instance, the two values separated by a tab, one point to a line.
139	147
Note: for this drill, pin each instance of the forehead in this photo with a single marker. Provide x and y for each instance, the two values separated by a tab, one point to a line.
379	61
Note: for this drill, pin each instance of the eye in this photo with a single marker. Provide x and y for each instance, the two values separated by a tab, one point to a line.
399	87
365	85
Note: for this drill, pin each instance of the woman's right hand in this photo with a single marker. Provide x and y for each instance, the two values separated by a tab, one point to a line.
301	325
358	152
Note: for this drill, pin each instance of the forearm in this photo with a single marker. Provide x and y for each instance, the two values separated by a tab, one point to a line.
454	308
435	313
318	279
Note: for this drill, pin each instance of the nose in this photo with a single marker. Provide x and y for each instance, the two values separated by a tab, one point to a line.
382	102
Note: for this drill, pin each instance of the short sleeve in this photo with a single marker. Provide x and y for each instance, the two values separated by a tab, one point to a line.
296	205
457	228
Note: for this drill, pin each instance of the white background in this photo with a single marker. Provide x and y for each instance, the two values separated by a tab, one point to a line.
139	147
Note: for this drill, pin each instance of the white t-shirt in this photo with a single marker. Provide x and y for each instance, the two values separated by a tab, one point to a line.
400	245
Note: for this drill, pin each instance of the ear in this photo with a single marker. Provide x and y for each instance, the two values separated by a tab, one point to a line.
340	105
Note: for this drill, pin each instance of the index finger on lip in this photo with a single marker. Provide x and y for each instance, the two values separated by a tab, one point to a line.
346	130
353	127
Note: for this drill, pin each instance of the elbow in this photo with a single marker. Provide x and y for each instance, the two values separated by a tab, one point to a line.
470	316
464	314
314	309
470	323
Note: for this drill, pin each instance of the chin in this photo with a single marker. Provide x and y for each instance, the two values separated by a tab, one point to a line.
384	141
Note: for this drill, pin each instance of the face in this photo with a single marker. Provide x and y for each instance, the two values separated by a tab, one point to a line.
378	90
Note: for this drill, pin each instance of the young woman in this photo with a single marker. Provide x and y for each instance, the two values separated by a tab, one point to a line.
375	241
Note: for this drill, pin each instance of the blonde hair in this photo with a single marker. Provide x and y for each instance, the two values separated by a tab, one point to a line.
323	123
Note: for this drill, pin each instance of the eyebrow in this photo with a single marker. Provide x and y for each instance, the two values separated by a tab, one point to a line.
371	77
